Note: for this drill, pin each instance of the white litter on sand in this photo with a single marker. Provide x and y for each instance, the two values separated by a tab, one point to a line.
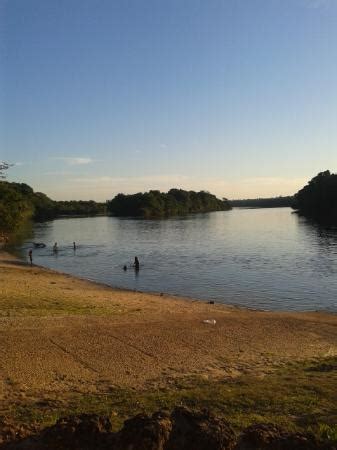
210	321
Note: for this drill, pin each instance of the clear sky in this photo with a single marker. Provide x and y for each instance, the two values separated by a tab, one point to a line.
238	97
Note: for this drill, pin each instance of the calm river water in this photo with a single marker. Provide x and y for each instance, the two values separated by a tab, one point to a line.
259	258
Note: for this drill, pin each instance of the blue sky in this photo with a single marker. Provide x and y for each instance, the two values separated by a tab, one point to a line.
238	97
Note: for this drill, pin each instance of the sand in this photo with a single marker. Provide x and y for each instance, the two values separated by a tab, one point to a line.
60	334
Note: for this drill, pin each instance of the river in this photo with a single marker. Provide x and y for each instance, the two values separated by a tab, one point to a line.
259	258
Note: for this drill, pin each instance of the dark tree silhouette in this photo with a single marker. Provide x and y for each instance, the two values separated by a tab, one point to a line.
318	199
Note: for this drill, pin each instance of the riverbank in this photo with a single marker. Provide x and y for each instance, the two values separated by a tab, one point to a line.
72	345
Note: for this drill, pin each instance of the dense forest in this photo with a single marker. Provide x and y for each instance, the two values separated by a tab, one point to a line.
318	199
18	202
272	202
156	204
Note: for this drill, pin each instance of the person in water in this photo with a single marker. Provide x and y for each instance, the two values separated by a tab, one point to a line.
74	246
136	264
30	254
55	248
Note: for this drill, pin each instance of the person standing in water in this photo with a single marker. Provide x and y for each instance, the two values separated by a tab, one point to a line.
30	254
136	264
74	246
55	248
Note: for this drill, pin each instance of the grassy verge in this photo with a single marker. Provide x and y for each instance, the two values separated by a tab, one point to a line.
50	295
301	396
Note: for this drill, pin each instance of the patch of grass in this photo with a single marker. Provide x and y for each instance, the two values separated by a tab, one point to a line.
38	307
296	397
44	297
327	432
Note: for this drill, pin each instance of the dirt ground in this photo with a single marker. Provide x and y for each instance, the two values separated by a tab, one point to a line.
59	335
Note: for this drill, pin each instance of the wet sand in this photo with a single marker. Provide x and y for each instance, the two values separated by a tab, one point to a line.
60	334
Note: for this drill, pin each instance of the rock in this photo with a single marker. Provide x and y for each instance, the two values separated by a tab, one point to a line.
10	431
199	431
271	437
297	441
145	433
83	432
182	430
258	436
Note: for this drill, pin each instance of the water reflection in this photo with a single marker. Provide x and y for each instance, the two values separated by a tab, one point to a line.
262	258
22	236
323	242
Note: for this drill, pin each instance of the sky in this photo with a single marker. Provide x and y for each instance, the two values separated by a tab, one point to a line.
236	97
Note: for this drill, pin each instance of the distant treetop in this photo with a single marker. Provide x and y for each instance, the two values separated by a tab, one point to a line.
272	202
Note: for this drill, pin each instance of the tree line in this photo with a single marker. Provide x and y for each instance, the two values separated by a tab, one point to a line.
271	202
19	202
156	204
80	208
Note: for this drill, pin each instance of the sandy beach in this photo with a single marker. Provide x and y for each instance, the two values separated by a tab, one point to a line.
61	335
